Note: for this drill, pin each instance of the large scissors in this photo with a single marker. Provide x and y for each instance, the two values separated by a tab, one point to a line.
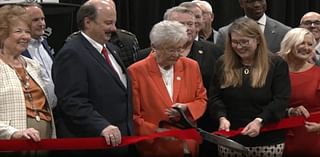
184	123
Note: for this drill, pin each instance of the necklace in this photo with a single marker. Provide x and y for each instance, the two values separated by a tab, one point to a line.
246	70
25	82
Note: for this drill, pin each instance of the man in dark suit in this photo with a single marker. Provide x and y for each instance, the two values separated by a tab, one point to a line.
92	86
273	30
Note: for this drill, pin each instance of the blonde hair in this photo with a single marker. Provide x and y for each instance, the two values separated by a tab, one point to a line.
232	71
292	39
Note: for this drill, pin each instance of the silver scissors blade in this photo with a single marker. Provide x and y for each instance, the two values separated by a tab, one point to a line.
223	141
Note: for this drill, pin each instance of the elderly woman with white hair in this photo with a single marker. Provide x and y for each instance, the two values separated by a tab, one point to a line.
162	81
296	48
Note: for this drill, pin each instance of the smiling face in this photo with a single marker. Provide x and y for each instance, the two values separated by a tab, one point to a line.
245	47
38	23
304	50
198	18
101	28
311	21
18	39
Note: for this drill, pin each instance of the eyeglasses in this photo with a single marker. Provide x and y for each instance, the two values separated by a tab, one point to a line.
310	23
172	51
242	43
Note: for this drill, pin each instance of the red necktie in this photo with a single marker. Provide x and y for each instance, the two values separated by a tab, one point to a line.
104	51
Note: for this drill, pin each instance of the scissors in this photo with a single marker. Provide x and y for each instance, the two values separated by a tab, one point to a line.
184	123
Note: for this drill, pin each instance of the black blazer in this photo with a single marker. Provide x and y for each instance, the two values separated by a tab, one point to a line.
206	54
90	94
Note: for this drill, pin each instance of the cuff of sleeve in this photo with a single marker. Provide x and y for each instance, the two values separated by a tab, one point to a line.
10	131
259	120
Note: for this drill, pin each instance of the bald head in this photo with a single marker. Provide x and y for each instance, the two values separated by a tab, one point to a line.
99	2
311	21
310	15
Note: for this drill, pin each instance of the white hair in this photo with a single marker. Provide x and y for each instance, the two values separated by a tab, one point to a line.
168	33
205	4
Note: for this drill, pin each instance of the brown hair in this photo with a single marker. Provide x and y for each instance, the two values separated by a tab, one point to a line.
10	15
232	72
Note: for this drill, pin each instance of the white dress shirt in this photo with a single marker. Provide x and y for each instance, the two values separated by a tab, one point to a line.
167	76
114	63
40	54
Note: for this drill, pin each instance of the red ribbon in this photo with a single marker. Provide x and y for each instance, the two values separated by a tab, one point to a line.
100	143
91	143
286	123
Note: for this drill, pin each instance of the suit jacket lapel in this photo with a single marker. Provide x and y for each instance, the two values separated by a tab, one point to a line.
155	74
197	52
31	69
101	61
177	77
269	32
116	56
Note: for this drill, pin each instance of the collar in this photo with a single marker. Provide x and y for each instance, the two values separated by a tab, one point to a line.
95	44
164	71
34	41
262	20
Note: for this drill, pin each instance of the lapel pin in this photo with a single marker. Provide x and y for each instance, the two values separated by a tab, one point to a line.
178	78
200	51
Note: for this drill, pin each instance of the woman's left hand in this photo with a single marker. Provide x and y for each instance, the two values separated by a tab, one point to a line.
253	128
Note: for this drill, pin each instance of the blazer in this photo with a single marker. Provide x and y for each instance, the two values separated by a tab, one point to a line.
274	32
13	114
204	52
90	94
151	98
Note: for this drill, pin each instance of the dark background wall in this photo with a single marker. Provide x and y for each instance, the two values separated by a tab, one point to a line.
138	16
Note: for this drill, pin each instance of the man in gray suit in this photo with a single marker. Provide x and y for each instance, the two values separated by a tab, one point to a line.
273	30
